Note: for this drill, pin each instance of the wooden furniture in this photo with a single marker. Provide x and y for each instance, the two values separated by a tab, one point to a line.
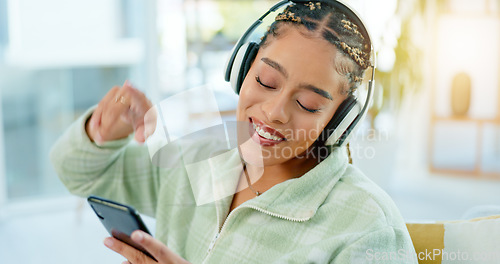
474	135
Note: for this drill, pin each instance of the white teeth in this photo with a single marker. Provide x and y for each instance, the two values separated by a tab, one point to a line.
264	134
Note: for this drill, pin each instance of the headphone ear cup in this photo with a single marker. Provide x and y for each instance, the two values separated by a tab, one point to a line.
341	121
242	63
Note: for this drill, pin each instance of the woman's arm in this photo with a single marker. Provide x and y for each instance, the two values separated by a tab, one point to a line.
112	167
119	170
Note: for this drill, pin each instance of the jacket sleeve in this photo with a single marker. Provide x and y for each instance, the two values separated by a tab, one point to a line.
119	170
386	245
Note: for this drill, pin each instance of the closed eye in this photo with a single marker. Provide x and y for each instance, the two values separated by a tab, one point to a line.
307	109
263	85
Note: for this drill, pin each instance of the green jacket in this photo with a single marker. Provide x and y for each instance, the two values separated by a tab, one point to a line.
331	214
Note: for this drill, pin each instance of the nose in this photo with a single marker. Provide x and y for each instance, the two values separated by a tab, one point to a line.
275	108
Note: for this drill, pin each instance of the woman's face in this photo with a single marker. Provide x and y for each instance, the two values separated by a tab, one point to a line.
288	96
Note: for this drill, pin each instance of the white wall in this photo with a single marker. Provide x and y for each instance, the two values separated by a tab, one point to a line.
3	177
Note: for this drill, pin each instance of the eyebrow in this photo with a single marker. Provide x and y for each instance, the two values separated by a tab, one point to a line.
276	66
317	90
310	87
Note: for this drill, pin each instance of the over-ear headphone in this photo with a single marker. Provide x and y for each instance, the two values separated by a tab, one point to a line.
350	111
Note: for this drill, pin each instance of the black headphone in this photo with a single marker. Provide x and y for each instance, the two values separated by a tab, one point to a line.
350	111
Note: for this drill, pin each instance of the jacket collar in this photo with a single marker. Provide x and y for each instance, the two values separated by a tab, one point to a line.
299	199
295	199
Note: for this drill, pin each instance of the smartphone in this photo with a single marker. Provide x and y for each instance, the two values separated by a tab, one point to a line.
120	220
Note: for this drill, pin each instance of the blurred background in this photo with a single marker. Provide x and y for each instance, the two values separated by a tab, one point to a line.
431	139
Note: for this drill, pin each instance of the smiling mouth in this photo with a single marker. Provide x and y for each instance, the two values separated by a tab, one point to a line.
267	133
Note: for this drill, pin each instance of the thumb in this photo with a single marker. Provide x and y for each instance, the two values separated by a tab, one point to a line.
139	134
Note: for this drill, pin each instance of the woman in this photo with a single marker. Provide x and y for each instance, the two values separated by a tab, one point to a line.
305	207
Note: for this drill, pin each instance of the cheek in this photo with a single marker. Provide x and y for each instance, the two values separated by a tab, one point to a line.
249	94
308	129
246	99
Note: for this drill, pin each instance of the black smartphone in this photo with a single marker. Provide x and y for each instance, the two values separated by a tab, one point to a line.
120	220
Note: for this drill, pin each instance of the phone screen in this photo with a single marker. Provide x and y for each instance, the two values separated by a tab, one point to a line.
120	220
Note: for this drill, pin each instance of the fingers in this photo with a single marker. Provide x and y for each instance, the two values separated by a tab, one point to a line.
118	114
130	253
115	105
139	106
139	134
95	128
150	120
161	252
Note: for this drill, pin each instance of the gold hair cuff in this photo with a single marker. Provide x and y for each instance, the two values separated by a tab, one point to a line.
313	6
288	16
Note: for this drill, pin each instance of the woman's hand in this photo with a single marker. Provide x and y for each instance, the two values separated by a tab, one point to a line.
118	114
161	252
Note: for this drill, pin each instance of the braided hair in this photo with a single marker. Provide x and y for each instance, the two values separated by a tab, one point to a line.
331	24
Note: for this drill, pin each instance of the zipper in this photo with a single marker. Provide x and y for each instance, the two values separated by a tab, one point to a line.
218	234
212	244
279	216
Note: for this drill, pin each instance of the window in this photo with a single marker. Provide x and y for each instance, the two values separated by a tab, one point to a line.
59	58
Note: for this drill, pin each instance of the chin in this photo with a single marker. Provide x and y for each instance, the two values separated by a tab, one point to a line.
260	156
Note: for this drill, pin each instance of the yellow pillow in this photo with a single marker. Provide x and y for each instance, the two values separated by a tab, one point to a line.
470	241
